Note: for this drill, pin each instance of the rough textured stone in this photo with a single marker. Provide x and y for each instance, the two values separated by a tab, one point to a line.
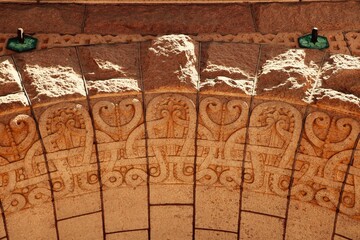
228	67
160	169
13	101
110	69
353	40
9	78
178	55
271	18
287	74
168	19
41	18
47	76
339	84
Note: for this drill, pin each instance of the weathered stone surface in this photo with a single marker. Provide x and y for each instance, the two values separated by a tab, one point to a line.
178	54
228	67
120	138
83	227
111	69
47	76
180	218
271	18
287	74
337	43
125	209
193	136
307	221
327	143
37	222
256	226
171	121
12	102
353	40
25	214
346	224
339	84
221	140
168	19
273	134
41	18
9	78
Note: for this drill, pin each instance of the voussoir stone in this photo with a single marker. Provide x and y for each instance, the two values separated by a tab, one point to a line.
339	84
110	68
228	67
168	19
52	74
14	101
170	62
9	78
287	74
41	18
291	17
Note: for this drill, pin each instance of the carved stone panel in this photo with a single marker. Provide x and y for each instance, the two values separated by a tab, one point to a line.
68	136
171	124
120	137
325	151
274	132
221	135
25	191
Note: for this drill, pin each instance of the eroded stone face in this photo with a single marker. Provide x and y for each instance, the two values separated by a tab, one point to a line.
238	139
178	54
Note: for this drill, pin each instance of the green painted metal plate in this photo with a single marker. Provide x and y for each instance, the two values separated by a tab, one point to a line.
29	44
305	42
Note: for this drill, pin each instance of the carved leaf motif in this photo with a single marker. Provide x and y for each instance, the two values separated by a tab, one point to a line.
68	126
325	153
17	137
171	129
68	136
222	118
274	132
117	120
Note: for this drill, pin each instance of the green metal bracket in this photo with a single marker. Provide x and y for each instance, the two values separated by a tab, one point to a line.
21	43
313	41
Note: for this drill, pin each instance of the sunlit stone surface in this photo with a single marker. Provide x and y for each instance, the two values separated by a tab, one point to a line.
202	136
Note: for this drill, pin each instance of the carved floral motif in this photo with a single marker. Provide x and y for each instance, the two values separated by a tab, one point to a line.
274	132
120	135
221	139
325	152
22	184
68	137
171	129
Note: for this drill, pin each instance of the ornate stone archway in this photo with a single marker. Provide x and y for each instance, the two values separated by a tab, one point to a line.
198	136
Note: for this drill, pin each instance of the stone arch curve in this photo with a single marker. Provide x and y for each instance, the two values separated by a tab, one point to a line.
179	137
